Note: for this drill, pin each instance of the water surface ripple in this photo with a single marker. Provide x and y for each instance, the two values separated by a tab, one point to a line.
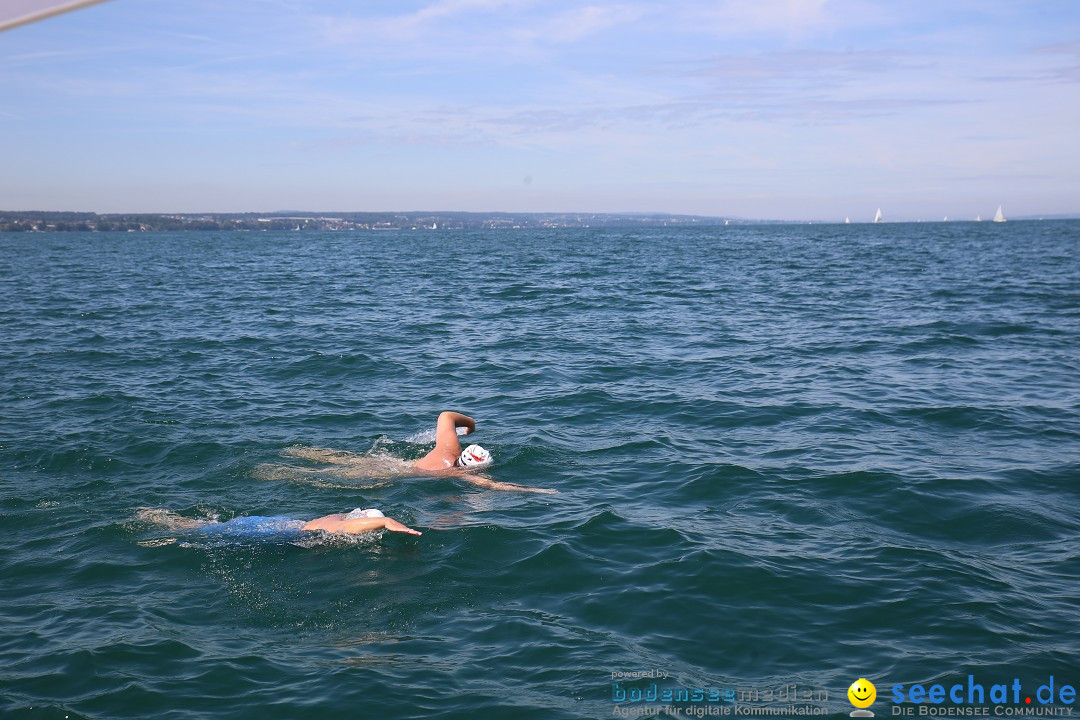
788	454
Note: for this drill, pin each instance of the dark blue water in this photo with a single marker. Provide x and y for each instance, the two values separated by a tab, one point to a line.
783	455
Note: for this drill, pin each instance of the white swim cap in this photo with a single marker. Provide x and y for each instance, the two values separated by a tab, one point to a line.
361	513
475	457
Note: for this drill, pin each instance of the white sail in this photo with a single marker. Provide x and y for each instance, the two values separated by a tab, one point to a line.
847	221
999	216
878	217
978	218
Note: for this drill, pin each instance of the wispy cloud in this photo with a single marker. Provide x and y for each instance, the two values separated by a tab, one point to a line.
409	26
60	58
1065	73
735	16
791	21
580	23
510	28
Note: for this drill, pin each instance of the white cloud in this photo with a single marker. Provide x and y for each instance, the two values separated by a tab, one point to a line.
579	23
410	26
737	16
466	27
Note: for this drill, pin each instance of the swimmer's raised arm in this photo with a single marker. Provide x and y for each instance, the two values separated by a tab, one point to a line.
447	447
450	421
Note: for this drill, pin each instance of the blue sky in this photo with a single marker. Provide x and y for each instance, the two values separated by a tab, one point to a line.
787	109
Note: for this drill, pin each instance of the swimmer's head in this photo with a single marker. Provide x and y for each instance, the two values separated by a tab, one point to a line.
474	457
363	513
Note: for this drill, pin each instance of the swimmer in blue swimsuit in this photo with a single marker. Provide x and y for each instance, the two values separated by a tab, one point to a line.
357	521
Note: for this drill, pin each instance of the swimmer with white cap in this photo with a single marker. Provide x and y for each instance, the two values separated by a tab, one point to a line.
448	455
449	459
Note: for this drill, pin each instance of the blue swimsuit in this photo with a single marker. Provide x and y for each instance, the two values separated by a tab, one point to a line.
255	526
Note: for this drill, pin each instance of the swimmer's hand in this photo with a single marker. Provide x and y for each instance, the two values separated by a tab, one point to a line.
394	526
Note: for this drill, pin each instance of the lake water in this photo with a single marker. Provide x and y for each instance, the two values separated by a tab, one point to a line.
784	455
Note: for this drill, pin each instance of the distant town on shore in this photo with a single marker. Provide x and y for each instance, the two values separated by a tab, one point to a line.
31	221
52	221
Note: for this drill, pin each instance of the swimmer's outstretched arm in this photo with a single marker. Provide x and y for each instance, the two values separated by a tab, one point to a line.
493	485
337	523
394	526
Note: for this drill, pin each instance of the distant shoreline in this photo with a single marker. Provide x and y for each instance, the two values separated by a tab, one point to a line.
54	221
41	221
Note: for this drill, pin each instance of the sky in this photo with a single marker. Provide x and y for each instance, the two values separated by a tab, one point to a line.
779	109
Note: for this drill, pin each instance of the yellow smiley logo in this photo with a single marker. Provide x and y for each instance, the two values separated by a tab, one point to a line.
862	693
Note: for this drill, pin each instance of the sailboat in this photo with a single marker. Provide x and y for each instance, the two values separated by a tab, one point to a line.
877	218
847	221
999	216
978	218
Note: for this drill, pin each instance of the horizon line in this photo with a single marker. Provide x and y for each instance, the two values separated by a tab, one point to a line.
625	213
